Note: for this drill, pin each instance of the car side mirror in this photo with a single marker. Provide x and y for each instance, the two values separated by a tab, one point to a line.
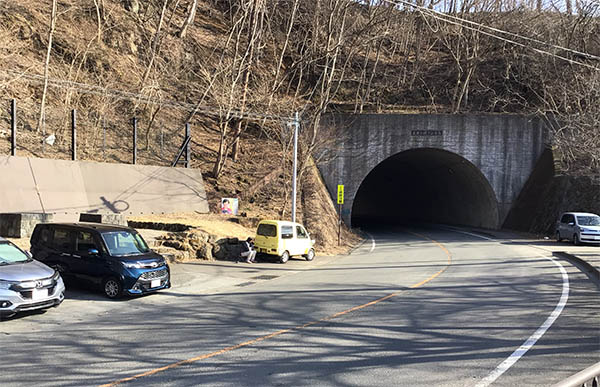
93	252
312	241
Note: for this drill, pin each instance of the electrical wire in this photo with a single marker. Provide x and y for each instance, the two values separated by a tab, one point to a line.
456	18
213	111
459	21
125	95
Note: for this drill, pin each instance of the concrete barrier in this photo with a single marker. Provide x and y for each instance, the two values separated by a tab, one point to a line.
63	187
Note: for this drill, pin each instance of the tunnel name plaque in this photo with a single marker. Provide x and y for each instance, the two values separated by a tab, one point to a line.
426	133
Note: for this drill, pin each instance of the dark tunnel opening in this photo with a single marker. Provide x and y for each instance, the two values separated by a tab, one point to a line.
425	186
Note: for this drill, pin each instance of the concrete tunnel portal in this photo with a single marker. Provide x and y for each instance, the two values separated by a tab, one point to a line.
425	185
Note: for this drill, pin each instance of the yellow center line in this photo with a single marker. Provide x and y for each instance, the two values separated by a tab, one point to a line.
288	330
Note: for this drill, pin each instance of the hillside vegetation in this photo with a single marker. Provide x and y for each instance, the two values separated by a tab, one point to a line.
237	70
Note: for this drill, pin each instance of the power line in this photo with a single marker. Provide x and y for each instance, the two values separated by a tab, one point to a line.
459	21
591	56
120	94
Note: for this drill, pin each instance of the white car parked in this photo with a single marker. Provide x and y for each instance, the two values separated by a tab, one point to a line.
578	227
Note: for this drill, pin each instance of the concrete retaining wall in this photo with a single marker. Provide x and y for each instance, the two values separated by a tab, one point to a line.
21	225
62	187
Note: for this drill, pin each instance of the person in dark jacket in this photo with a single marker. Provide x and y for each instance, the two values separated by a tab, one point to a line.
248	250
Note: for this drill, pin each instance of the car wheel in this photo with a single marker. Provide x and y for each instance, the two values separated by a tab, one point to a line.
576	240
112	288
284	257
310	256
558	238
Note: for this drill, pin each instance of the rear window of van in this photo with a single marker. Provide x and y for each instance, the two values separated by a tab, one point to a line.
268	230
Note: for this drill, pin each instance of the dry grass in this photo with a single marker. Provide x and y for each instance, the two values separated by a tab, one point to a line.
216	224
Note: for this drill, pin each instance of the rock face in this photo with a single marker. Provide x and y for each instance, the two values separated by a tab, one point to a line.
198	244
227	249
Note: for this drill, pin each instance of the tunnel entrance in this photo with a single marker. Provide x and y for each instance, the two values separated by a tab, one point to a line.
425	186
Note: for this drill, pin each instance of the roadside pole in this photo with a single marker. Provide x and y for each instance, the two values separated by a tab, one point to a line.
340	201
73	134
13	127
296	124
134	145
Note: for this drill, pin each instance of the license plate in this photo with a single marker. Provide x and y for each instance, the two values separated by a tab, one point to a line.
155	283
39	294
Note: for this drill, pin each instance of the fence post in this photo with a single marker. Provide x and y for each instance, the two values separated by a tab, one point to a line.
134	140
13	127
188	147
73	134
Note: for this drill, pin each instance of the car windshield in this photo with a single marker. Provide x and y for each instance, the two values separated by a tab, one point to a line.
11	254
120	243
588	220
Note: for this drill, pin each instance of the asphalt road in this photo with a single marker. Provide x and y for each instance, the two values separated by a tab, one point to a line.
422	307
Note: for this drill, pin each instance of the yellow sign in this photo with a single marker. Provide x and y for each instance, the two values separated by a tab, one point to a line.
340	194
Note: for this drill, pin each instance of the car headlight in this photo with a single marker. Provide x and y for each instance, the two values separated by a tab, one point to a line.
132	265
584	229
5	285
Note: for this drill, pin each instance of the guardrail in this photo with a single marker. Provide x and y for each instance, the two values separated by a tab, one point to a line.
589	377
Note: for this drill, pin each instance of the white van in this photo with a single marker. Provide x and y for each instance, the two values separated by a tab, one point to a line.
578	227
283	239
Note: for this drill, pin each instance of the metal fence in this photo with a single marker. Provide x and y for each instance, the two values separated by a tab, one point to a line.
90	135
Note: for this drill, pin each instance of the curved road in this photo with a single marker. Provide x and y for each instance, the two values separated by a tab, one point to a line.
421	307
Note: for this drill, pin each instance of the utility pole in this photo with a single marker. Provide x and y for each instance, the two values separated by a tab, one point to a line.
296	124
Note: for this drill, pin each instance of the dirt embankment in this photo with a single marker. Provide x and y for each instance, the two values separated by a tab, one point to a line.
215	236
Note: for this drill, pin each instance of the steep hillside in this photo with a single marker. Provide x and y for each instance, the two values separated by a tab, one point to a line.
236	70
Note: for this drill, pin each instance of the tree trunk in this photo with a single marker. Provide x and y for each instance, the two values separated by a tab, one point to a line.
189	20
99	11
220	161
42	117
254	31
154	44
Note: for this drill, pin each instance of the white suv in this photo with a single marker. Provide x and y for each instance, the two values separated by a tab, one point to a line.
578	227
26	284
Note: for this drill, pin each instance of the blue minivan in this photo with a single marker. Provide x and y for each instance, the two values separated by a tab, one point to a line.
114	258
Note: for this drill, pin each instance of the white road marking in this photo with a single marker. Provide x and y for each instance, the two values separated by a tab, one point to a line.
530	342
472	234
372	242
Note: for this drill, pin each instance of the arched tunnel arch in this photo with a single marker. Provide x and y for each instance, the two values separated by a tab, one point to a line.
425	185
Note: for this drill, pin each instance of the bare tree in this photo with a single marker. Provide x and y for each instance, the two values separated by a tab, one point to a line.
155	44
42	115
189	19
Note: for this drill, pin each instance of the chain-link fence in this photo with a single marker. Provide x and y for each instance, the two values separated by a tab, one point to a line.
102	134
